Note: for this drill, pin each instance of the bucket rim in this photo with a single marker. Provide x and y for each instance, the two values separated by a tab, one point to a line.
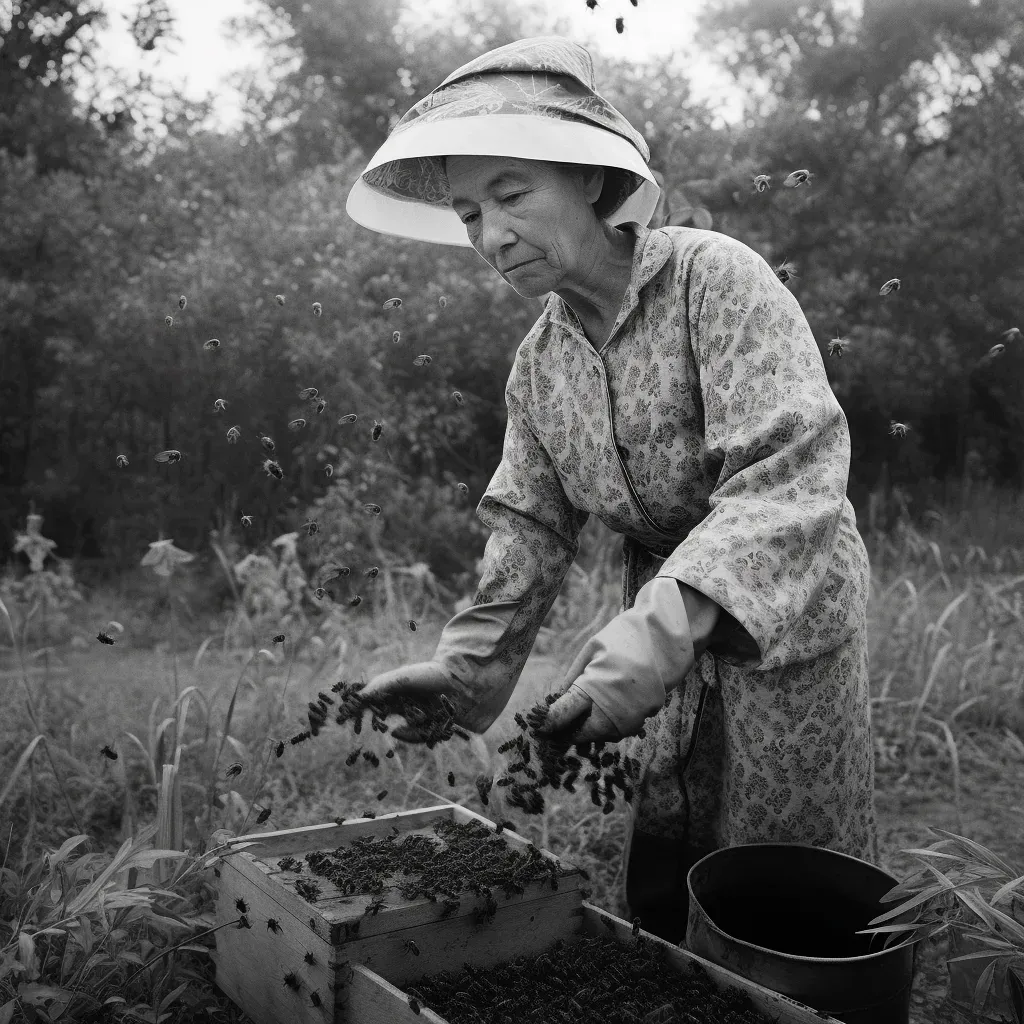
694	902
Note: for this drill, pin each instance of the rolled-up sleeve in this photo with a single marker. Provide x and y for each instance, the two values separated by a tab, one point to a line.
764	553
534	539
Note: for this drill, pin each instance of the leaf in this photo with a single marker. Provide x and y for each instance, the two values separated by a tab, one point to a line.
915	901
19	767
985	954
85	898
1015	986
27	953
975	851
1005	890
66	848
984	986
7	1011
171	996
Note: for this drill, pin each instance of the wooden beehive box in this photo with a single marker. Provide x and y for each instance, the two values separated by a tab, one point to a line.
320	942
350	968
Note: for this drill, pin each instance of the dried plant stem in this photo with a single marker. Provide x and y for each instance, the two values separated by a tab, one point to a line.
34	717
184	942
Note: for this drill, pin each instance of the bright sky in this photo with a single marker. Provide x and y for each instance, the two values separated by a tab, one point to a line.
203	58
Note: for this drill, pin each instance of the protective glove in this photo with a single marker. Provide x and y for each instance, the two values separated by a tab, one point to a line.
625	673
468	642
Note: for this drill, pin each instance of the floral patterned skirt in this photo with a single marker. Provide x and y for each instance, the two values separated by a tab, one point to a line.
784	755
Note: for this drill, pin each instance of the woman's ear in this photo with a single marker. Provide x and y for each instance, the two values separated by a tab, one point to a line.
592	179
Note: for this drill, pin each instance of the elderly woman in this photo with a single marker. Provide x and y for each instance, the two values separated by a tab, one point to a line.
671	387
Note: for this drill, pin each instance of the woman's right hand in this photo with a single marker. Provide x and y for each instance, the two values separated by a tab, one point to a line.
424	678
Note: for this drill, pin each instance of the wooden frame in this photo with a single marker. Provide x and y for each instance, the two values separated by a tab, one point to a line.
347	968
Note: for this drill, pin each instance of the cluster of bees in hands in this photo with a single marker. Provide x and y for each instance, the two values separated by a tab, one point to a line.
590	978
786	271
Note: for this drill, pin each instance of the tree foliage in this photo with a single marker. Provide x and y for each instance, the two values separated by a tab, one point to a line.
914	138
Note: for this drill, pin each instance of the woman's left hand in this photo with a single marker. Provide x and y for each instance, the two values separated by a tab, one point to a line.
575	718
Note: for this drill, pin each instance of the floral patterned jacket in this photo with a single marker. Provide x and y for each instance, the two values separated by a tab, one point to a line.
705	431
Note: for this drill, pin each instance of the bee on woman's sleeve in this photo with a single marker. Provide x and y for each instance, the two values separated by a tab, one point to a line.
785	271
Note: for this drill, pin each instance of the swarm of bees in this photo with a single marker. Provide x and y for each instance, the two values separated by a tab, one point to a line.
583	980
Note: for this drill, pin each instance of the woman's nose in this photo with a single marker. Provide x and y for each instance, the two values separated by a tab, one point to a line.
495	234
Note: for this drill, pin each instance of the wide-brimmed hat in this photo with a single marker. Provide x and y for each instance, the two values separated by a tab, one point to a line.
534	99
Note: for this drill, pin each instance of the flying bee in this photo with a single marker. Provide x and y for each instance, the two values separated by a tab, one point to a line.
442	302
798	178
272	468
306	394
122	461
592	4
319	593
396	337
996	350
328	470
279	639
412	625
296	424
451	778
219	405
837	346
318	310
169	321
459	400
280	299
246	521
371	573
213	343
423	360
892	285
279	749
392	304
463	488
762	182
355	602
311	526
785	271
233	770
172	456
371	508
620	25
263	815
332	571
182	302
321	405
1013	334
233	435
349	417
109	753
378	429
898	429
383	793
268	444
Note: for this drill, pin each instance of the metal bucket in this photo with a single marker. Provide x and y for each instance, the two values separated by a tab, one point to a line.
784	915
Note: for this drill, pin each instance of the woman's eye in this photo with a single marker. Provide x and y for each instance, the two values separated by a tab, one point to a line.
467	220
513	196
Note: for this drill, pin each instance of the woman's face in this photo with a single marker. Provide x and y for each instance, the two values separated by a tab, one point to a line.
531	220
